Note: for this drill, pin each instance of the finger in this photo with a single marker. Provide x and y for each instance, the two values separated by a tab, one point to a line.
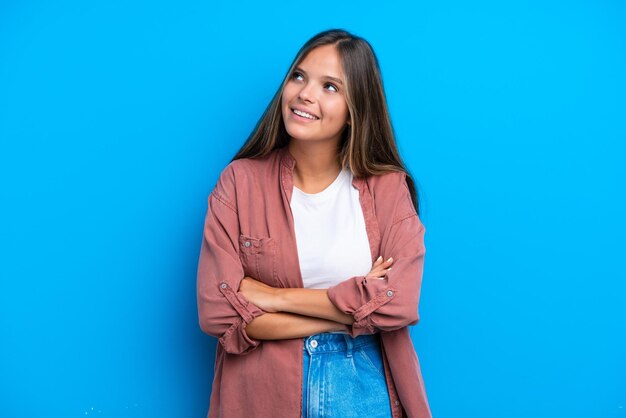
373	273
383	273
377	272
383	267
387	262
378	260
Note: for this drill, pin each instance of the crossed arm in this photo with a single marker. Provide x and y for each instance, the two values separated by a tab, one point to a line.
296	312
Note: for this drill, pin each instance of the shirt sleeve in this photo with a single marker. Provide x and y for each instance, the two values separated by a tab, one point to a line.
223	311
391	303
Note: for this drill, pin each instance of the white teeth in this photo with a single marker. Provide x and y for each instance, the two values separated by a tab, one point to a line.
304	114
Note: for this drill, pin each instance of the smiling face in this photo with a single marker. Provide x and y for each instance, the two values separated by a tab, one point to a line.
313	102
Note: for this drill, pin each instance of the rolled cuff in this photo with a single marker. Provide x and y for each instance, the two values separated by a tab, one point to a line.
348	295
235	340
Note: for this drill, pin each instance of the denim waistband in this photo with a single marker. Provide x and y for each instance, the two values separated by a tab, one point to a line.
336	342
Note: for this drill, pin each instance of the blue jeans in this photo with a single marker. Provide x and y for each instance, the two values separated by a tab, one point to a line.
344	377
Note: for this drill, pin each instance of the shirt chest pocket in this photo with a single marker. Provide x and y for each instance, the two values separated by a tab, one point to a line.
259	256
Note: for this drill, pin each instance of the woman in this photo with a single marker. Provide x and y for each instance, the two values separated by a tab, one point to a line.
295	274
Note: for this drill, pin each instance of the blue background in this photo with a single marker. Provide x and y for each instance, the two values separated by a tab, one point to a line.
116	119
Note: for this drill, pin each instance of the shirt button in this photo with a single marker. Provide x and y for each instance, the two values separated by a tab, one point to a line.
223	285
247	244
397	403
389	293
313	343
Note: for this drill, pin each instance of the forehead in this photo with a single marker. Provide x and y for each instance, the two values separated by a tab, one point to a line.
321	61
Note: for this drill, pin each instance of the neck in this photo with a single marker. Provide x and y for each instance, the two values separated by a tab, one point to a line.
314	161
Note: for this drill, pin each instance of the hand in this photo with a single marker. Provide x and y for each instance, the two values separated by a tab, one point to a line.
379	269
260	294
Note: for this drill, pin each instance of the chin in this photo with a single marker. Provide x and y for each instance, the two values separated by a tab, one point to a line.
298	136
296	130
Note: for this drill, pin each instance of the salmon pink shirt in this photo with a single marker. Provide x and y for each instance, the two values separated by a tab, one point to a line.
249	231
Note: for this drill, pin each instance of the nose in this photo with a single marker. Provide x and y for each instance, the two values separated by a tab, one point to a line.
305	94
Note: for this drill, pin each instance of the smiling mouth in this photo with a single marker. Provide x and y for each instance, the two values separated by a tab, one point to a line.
304	114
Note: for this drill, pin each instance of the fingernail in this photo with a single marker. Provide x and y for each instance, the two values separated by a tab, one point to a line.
380	257
390	258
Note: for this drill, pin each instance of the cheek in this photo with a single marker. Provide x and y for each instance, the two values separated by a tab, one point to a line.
283	106
288	93
339	110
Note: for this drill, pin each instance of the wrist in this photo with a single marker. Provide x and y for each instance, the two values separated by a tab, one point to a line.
341	327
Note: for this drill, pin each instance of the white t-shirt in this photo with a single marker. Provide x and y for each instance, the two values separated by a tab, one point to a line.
330	233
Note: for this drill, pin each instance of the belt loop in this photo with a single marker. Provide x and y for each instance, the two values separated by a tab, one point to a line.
348	345
306	344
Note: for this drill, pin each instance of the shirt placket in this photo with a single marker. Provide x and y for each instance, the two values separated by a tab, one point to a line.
286	181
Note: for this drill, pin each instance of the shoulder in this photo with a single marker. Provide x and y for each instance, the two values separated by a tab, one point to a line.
243	175
392	179
391	195
252	167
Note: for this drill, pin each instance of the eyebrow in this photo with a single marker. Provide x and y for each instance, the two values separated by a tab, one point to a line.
335	79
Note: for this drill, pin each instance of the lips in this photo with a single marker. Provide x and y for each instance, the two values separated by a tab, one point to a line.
306	112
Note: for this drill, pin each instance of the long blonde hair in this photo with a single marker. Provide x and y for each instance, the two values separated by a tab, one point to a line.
368	146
